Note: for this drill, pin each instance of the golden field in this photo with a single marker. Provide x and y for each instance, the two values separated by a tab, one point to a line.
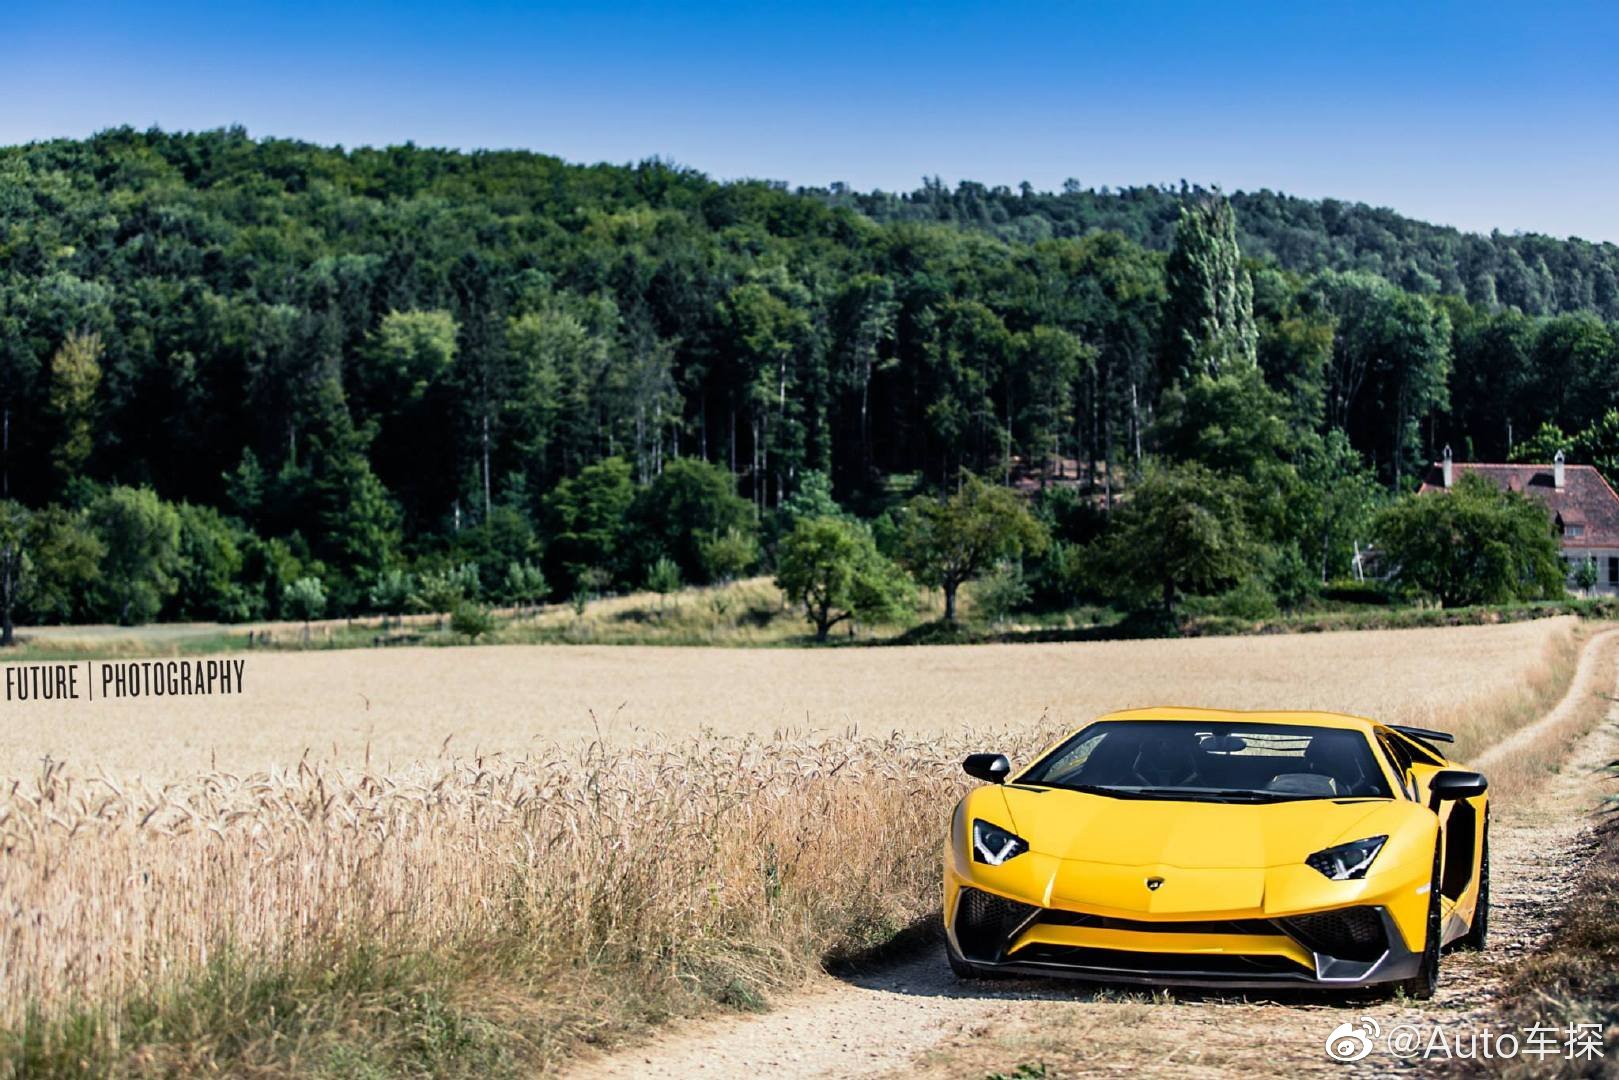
490	906
401	706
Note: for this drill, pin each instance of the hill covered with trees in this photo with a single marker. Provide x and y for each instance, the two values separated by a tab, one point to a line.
244	378
1538	275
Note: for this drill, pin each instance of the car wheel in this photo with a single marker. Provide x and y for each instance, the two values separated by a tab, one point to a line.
1422	985
961	968
1480	927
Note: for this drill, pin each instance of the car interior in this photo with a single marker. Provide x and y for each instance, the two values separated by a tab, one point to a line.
1284	760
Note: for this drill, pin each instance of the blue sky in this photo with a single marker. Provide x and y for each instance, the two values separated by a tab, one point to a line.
1480	115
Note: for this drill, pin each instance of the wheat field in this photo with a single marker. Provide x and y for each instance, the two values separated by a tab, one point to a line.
497	868
389	708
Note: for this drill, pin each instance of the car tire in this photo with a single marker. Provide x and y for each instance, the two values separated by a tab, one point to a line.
1478	931
961	968
1421	986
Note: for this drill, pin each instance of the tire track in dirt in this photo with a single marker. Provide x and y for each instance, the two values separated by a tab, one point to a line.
913	1018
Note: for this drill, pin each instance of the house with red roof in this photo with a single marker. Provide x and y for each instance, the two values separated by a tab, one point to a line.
1583	508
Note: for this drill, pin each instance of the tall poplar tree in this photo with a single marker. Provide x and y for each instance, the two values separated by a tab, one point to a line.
1209	315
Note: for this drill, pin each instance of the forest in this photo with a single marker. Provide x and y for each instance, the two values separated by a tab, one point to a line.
246	378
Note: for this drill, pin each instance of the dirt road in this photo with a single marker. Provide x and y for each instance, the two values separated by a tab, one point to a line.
914	1018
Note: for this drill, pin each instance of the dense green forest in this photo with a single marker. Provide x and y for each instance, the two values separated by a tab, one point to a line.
1538	275
244	378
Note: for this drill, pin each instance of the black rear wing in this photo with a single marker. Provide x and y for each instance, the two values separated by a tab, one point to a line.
1425	735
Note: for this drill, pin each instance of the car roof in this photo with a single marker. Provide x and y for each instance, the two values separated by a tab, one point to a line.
1301	718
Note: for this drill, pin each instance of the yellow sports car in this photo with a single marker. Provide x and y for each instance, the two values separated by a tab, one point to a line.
1233	849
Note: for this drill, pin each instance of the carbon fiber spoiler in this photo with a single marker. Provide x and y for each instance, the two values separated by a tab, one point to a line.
1425	734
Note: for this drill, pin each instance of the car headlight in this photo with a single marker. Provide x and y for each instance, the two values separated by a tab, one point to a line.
1347	862
994	845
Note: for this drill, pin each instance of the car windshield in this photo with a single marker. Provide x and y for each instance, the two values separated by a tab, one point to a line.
1213	762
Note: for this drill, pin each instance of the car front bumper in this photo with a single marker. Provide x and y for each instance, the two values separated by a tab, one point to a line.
1350	947
1282	926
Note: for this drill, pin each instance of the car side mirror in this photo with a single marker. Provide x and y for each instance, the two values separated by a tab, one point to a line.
1455	784
994	768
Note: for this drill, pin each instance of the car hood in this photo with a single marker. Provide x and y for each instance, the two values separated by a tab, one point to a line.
1138	832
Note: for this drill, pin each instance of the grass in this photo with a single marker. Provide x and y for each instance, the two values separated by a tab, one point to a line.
1574	978
754	614
492	915
1517	765
526	907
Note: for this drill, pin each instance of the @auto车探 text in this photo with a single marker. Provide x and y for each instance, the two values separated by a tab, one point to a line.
1357	1039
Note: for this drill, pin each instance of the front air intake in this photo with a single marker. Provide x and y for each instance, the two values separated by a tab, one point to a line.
1350	934
985	922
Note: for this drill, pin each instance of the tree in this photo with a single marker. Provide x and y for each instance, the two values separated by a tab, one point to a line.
729	555
472	620
1181	531
587	517
1586	575
1596	445
689	502
412	348
1209	314
1295	346
358	521
1490	390
392	592
442	590
141	534
946	543
831	567
1471	544
524	584
210	568
61	562
75	377
812	499
1231	422
1338	497
863	318
1544	445
16	567
1001	592
1574	369
305	600
1042	388
663	577
770	333
1389	370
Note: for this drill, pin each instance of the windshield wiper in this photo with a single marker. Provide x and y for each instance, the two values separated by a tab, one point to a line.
1197	794
1092	789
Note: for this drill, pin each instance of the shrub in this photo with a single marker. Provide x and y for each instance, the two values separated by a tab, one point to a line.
1001	592
664	576
442	590
524	583
729	555
392	593
472	620
304	599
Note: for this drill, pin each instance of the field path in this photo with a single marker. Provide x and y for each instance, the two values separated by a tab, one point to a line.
913	1018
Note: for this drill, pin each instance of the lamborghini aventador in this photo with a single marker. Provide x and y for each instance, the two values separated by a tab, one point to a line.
1229	849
